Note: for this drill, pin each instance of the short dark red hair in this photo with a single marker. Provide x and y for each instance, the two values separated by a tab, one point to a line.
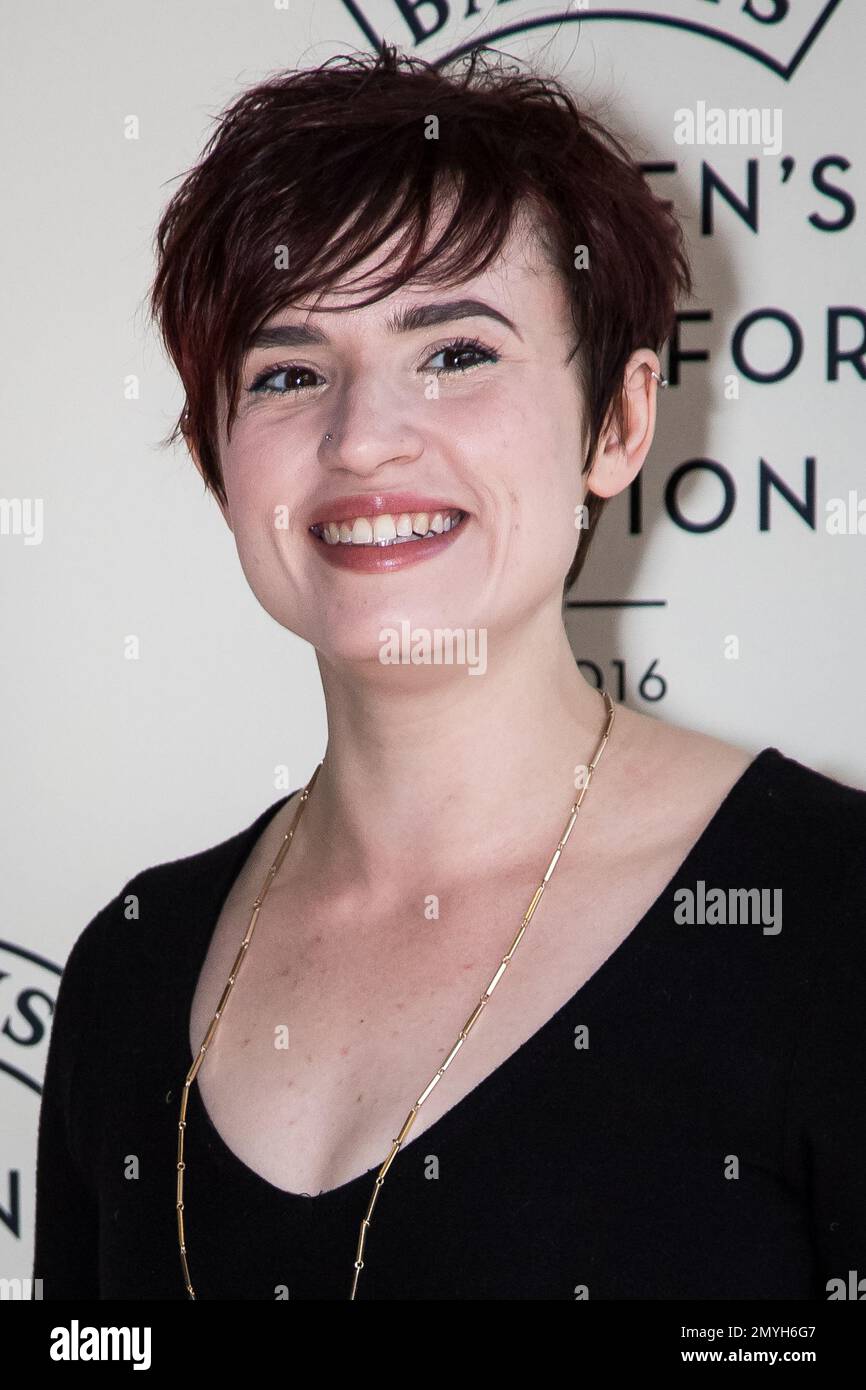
297	158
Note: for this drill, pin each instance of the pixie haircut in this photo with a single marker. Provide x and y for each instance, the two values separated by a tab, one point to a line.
330	162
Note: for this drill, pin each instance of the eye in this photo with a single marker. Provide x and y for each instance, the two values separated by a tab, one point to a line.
294	374
458	350
455	352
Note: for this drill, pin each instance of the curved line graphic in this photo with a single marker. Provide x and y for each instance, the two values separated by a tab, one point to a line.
626	16
22	1077
692	26
31	955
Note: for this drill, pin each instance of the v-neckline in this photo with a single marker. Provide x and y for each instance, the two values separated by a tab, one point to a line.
630	948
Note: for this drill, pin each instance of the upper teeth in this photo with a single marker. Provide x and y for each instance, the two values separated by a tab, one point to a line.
368	530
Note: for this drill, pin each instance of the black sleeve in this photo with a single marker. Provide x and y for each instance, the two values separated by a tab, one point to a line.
826	1128
66	1243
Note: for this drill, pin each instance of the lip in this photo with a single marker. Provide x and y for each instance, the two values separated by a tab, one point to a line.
376	559
354	504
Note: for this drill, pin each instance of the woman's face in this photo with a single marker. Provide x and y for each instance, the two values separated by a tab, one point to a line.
492	430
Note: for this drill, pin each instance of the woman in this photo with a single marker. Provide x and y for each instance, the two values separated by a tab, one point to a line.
417	318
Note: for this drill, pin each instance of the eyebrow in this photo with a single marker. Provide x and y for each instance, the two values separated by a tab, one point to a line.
405	320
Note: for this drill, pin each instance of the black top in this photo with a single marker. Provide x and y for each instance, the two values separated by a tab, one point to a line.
709	1142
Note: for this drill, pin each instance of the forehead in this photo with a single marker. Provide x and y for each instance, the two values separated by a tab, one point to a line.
521	280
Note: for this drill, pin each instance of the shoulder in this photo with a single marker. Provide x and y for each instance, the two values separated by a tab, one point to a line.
812	814
815	830
805	828
160	905
763	818
794	837
800	833
792	783
132	966
791	806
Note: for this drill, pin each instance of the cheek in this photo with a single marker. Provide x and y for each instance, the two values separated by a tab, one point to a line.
526	471
252	473
543	538
255	499
540	465
264	496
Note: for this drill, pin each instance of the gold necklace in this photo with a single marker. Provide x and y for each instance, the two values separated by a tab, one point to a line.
461	1036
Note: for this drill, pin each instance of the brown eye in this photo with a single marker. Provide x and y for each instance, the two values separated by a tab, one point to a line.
297	379
456	354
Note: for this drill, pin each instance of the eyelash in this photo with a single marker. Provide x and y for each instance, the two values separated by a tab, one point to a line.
456	346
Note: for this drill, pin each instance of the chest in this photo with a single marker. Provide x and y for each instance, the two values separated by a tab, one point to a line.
334	1030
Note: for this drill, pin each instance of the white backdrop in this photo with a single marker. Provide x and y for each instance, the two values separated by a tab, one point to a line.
111	765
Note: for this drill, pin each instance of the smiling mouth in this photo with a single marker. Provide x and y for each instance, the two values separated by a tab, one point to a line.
387	530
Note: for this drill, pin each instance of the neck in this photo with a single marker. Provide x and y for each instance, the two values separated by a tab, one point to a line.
430	770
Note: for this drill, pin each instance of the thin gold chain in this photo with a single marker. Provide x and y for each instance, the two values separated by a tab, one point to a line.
461	1036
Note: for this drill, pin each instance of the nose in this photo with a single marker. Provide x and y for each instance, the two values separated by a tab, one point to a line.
367	429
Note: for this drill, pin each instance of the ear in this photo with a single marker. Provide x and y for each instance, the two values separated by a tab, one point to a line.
618	461
193	453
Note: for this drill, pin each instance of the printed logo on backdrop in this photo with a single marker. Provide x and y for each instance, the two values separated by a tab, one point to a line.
28	990
777	33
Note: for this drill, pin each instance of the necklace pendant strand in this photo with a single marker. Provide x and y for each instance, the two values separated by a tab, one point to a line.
461	1036
239	959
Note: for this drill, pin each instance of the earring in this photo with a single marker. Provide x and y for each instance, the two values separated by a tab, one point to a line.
662	380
